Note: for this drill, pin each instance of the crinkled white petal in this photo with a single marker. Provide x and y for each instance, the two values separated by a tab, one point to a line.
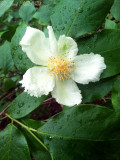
53	42
36	46
67	46
88	68
37	81
67	93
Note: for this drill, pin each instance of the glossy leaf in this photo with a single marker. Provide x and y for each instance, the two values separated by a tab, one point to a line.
6	62
116	95
19	57
26	11
8	34
46	2
23	105
115	10
32	123
83	150
107	44
37	150
43	14
8	84
88	122
13	145
111	25
83	132
78	17
96	91
5	5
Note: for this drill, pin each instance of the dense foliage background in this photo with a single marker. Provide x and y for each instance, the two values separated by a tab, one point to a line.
90	131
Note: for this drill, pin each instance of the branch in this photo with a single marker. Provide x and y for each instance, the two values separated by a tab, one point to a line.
3	118
8	92
49	99
3	112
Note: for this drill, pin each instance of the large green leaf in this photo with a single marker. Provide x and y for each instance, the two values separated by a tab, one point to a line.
43	14
8	84
19	57
23	105
5	5
8	34
115	10
37	150
116	95
32	123
88	122
78	17
96	91
26	11
13	145
6	62
83	150
83	132
109	24
107	44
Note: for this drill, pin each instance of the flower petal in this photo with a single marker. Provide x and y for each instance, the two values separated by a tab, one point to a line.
88	68
67	46
37	81
52	41
67	93
36	46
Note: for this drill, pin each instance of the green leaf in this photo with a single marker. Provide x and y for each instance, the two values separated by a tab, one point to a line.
102	43
32	123
88	122
56	1
83	132
46	2
13	145
115	10
5	5
83	150
8	84
51	1
116	95
26	11
37	150
111	25
96	91
6	62
23	105
43	14
76	18
8	34
20	58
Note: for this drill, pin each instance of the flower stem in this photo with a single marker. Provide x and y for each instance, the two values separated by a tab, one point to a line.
29	130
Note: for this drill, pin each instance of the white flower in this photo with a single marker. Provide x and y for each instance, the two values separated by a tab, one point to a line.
58	67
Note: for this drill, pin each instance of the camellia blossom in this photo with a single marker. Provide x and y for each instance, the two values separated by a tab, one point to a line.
58	67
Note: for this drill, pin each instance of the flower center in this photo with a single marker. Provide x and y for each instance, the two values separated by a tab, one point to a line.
60	67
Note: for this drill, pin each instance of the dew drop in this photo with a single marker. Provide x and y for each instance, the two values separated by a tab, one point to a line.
14	48
13	53
51	137
24	64
21	105
81	10
20	57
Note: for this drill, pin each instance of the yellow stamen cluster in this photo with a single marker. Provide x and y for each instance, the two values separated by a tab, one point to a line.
60	67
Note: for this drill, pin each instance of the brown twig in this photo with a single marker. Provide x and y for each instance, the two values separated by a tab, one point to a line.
3	118
49	99
3	112
8	92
